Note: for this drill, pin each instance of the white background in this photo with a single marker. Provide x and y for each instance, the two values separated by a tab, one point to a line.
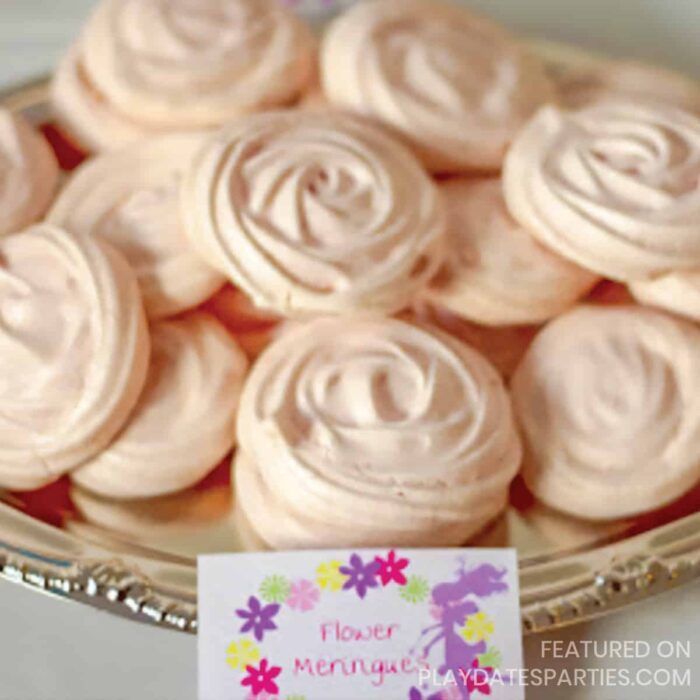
52	650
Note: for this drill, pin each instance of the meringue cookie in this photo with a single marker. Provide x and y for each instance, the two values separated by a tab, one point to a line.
195	63
614	187
677	292
609	405
502	346
131	199
28	173
85	113
598	80
372	432
73	333
496	273
184	422
312	212
455	85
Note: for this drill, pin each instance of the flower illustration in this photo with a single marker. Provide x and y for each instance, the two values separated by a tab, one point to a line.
361	576
416	590
303	596
436	612
274	589
391	569
478	678
241	654
478	627
491	657
261	679
328	576
258	618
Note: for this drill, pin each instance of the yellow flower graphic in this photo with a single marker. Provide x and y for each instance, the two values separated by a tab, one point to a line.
241	654
328	576
478	627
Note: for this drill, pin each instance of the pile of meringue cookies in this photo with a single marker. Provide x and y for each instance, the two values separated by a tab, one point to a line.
393	266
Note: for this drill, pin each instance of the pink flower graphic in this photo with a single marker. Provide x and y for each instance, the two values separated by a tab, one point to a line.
478	678
261	679
391	569
303	596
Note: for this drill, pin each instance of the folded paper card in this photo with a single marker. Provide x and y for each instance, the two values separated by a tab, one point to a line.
359	625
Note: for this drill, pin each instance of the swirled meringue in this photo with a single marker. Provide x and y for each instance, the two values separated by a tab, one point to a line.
73	335
131	199
184	422
614	187
372	432
502	346
196	63
609	405
495	272
311	212
453	84
85	113
677	292
28	173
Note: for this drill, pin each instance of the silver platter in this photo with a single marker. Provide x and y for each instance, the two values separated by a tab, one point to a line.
138	559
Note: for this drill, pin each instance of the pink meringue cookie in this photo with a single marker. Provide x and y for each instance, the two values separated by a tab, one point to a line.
184	422
586	80
73	335
195	63
456	86
614	187
85	113
372	432
608	400
496	273
502	346
677	292
131	199
314	212
28	173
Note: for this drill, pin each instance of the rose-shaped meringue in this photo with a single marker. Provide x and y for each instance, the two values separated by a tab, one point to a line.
85	113
314	212
28	173
74	349
495	272
195	63
608	399
678	292
184	422
614	187
372	432
455	85
131	198
502	346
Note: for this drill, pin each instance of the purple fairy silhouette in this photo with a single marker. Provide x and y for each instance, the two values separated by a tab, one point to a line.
452	602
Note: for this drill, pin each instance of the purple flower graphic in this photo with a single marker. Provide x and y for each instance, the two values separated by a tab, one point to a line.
361	576
258	618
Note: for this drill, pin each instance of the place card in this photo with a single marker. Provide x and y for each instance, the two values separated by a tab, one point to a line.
359	625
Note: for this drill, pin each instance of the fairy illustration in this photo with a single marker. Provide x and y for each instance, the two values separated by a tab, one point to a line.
453	603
